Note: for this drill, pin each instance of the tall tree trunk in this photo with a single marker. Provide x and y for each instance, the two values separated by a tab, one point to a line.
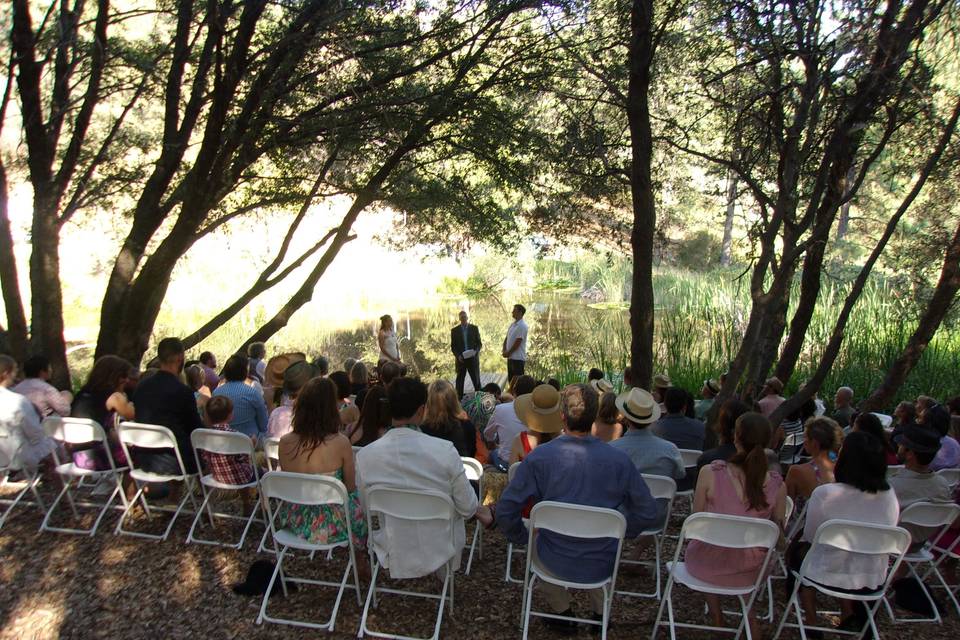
46	298
943	297
641	189
727	243
843	223
806	305
9	280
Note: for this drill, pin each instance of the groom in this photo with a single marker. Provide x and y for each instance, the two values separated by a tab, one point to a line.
465	345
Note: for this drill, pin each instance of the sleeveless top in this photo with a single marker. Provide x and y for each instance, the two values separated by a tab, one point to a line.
390	349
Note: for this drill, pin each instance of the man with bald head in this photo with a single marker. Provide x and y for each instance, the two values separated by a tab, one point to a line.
843	409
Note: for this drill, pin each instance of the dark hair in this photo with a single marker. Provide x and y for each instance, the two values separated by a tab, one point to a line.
690	405
322	364
675	399
194	376
389	371
825	432
753	434
374	416
106	374
406	396
579	405
954	405
34	366
924	458
218	409
257	350
169	349
7	364
523	309
358	373
524	385
553	382
608	413
628	376
594	374
726	424
235	369
494	388
862	463
315	414
206	357
342	380
939	418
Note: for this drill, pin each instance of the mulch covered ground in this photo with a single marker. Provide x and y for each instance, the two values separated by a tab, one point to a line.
117	587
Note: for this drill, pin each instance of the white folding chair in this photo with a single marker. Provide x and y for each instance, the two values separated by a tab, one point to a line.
271	452
945	549
952	476
474	472
851	537
928	515
151	436
779	560
309	490
81	431
222	443
576	521
412	506
28	484
690	457
894	469
507	575
661	488
733	532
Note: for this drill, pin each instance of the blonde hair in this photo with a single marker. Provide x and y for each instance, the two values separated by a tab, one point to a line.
443	406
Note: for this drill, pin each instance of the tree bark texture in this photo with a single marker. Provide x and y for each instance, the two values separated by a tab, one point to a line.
9	280
727	243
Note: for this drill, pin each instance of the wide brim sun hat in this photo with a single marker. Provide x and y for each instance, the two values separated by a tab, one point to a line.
540	410
638	406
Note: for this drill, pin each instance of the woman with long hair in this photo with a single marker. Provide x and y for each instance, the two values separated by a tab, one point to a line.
607	426
821	439
444	418
102	398
387	341
725	428
316	446
871	424
374	417
349	413
744	486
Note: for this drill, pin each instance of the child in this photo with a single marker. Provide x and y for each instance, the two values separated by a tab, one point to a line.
228	469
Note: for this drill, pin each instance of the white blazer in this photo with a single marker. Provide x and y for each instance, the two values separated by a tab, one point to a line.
407	459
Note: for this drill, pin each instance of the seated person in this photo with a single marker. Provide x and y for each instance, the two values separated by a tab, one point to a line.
504	425
648	453
746	487
579	469
374	417
228	469
316	446
249	407
25	445
916	482
349	414
294	377
607	426
948	457
725	427
444	418
686	433
36	388
540	412
102	398
871	424
821	439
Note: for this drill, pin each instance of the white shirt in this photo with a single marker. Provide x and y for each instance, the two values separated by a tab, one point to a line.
390	350
407	459
504	426
517	330
21	437
831	566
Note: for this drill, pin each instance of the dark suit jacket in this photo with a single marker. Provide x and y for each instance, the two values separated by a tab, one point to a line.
456	339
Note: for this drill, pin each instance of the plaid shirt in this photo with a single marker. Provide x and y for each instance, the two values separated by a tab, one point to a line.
229	469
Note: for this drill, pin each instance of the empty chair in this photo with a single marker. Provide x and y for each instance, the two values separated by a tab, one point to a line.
663	490
410	506
30	482
82	431
311	490
218	442
150	436
474	471
733	532
928	515
851	537
576	521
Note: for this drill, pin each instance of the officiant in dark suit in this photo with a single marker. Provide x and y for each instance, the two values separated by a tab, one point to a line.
465	344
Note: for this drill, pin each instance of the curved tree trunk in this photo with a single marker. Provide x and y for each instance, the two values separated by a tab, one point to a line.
9	281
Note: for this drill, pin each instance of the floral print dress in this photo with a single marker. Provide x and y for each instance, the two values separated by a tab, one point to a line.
325	523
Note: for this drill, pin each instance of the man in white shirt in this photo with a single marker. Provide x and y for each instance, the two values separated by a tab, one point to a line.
22	438
504	425
406	458
515	344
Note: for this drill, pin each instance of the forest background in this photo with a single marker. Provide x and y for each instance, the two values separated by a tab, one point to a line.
688	186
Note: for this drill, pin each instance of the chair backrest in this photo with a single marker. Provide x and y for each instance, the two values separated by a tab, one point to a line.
788	510
303	488
661	487
929	514
794	439
148	436
894	469
512	471
73	430
734	532
690	457
225	442
861	537
472	468
577	520
271	451
409	504
951	475
5	459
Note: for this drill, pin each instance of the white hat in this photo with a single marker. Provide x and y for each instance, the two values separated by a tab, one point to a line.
638	406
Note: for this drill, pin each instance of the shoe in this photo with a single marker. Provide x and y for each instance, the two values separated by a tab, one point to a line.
562	627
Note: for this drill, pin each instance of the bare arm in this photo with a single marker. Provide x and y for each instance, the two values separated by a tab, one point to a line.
704	486
349	471
118	402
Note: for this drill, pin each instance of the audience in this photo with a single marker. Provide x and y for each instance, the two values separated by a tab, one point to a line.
294	377
257	353
607	426
725	428
444	418
843	410
389	371
316	446
249	408
770	396
193	374
504	425
405	457
23	440
359	381
323	366
103	399
579	469
870	423
236	469
648	453
707	395
916	482
36	388
948	457
374	417
661	382
208	362
821	440
349	414
787	435
539	411
746	487
675	427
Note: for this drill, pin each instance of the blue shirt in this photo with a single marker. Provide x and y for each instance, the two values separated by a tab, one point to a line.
577	470
249	409
686	433
650	454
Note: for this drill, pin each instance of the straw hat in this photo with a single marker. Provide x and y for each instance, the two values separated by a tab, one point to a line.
297	375
602	386
540	410
277	365
638	406
662	381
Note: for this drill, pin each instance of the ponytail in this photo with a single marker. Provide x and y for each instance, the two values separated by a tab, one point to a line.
753	434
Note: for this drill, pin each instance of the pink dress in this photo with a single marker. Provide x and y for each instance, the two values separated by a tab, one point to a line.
721	565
